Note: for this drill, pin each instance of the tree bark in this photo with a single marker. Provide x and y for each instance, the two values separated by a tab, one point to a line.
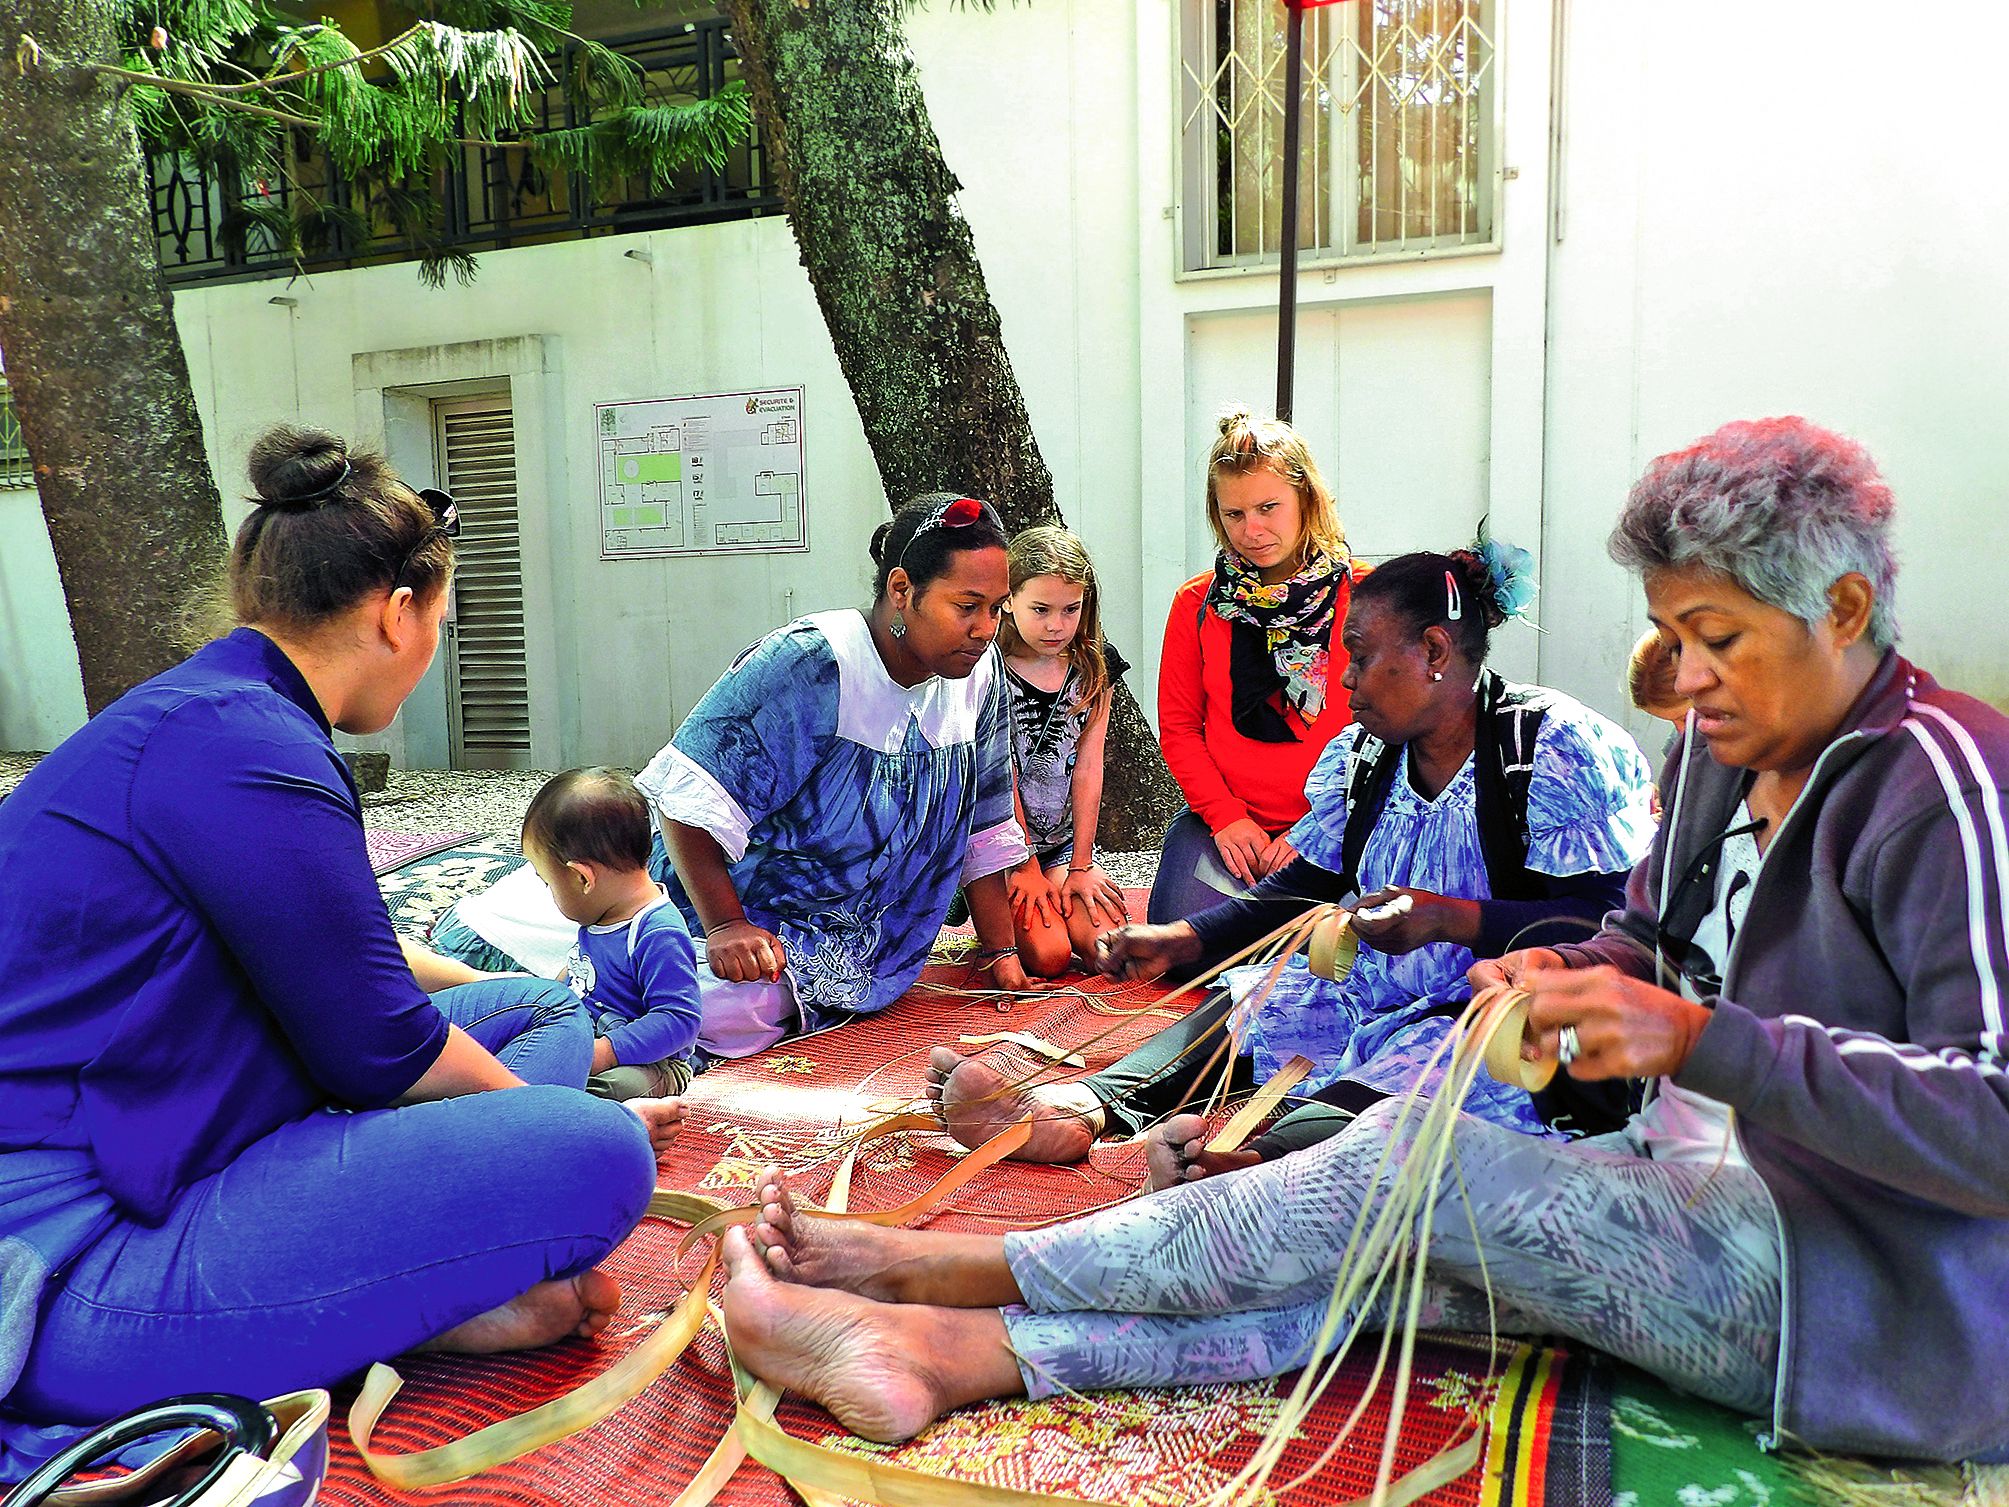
93	357
890	256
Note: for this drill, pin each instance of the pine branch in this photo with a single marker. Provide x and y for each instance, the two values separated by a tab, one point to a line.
649	141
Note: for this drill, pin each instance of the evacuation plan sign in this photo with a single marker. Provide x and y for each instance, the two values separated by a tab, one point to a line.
716	474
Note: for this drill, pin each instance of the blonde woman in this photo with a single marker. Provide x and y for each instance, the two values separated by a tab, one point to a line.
1248	686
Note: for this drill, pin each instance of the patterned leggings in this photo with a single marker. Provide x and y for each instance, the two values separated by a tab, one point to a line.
1673	1266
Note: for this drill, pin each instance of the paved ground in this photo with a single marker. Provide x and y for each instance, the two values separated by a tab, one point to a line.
493	801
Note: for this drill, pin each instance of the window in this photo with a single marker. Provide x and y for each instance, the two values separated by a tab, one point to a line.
1398	146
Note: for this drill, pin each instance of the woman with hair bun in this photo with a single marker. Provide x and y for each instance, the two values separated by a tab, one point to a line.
1248	685
217	1069
1466	812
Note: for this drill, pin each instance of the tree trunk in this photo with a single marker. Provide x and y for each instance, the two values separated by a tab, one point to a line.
92	354
895	271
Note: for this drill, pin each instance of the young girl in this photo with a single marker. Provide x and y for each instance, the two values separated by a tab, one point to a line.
1060	675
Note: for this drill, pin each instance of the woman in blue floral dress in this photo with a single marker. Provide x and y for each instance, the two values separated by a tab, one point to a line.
829	795
1463	811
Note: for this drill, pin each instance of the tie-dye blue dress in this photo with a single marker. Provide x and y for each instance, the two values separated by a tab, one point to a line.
1588	811
849	807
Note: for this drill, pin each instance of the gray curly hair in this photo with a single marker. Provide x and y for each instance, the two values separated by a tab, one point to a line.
1782	507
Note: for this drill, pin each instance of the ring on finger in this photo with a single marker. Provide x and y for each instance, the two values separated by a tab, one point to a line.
1568	1048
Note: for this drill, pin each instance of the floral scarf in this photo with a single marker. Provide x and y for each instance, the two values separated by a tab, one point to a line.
1279	640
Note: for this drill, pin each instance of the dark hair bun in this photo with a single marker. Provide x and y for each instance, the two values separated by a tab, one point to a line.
291	466
878	545
1475	581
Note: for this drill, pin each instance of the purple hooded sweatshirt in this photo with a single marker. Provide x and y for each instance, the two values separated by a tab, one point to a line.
1859	1038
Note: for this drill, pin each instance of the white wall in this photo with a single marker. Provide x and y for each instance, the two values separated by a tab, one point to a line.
1768	219
41	687
1782	214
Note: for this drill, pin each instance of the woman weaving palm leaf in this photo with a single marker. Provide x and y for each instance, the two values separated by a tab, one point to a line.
1472	811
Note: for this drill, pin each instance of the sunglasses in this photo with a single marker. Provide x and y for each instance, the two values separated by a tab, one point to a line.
445	524
957	512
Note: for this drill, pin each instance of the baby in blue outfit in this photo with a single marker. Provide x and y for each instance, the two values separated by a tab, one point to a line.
633	967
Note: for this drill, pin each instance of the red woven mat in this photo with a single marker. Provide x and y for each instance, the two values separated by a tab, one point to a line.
785	1106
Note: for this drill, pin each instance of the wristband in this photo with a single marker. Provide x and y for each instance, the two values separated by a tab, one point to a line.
722	925
1085	869
990	958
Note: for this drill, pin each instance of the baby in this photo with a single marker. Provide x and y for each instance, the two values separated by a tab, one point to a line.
633	967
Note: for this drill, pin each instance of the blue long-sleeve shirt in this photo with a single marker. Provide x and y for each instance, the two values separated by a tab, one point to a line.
193	952
639	981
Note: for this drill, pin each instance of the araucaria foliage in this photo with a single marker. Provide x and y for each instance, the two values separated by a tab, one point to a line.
243	90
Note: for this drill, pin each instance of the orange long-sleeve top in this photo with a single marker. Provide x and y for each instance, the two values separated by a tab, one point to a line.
1227	776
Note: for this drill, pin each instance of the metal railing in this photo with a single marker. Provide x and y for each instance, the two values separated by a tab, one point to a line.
492	196
15	468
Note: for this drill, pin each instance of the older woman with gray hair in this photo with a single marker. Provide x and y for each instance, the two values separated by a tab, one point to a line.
1810	1218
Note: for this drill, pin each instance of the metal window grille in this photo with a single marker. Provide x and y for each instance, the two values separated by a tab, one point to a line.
15	468
207	227
1399	138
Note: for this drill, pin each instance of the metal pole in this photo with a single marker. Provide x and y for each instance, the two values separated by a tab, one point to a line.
1287	272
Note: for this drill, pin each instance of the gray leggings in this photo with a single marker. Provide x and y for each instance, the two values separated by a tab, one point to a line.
1675	1267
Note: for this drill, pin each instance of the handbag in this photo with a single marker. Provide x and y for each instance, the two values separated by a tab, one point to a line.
242	1454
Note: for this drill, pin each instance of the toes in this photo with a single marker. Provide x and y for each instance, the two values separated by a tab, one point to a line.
743	1260
598	1292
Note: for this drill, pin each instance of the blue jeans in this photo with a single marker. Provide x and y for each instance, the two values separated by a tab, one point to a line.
537	1028
345	1238
1177	890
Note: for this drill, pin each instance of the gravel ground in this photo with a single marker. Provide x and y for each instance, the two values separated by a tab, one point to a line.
492	802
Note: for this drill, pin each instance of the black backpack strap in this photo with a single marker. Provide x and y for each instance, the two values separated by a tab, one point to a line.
1510	720
1370	775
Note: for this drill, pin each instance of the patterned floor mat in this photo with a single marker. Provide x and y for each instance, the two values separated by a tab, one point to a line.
393	850
1546	1412
419	892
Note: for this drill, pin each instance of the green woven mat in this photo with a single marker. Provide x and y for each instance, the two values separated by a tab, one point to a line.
1672	1450
1669	1448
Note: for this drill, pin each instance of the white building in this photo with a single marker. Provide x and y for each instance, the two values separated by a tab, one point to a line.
1595	230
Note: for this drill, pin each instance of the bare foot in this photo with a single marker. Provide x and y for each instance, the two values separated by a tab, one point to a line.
869	1363
663	1117
845	1254
942	1061
1176	1152
980	1102
550	1311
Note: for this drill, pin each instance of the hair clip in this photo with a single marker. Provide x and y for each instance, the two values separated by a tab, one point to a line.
1454	604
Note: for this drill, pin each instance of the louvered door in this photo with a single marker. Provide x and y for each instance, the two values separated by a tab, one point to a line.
488	697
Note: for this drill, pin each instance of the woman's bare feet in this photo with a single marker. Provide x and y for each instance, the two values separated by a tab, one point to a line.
846	1254
979	1098
1176	1152
888	1265
663	1117
886	1371
550	1311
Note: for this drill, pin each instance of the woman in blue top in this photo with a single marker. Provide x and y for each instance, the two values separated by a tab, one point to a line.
1470	809
217	1071
831	792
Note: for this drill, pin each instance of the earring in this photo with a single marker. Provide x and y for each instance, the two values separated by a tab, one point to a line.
898	626
1436	674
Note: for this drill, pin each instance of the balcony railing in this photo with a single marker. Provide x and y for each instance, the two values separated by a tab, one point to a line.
492	196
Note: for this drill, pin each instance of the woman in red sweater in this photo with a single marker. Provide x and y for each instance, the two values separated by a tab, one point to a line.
1248	686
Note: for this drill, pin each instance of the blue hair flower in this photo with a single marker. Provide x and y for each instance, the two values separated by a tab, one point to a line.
1512	571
